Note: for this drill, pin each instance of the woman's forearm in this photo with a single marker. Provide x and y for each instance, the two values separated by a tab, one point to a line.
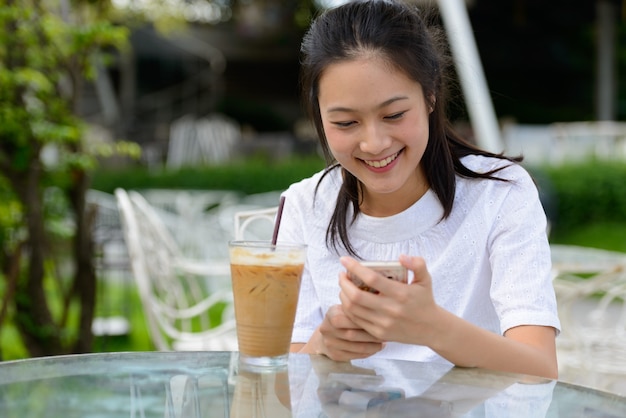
527	349
310	346
296	347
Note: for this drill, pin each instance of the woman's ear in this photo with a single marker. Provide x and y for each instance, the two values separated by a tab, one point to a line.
431	103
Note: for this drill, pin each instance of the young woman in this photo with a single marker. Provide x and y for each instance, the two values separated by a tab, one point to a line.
402	185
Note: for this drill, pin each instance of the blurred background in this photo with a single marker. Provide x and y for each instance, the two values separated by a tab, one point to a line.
189	96
544	62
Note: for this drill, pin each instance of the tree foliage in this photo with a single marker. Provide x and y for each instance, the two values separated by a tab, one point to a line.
47	51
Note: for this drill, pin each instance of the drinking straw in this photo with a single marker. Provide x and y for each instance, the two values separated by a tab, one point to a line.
279	215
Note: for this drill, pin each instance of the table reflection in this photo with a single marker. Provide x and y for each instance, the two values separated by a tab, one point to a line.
260	394
386	388
214	384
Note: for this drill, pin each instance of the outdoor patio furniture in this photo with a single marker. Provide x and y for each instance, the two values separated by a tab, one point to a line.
208	140
174	290
193	218
590	286
255	224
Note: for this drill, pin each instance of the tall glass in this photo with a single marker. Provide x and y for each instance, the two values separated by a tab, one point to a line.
266	283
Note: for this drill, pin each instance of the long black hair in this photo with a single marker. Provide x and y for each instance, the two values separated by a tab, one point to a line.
409	39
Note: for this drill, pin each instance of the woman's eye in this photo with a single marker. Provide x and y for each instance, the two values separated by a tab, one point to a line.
395	116
344	124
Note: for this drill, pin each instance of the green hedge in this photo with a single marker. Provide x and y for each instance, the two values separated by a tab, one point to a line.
573	194
587	192
255	175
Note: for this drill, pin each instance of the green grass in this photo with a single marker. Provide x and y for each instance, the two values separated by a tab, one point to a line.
603	235
10	343
127	303
118	300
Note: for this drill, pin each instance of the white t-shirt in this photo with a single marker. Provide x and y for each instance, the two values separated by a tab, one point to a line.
489	260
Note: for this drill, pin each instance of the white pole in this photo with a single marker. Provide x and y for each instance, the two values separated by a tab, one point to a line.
606	88
470	70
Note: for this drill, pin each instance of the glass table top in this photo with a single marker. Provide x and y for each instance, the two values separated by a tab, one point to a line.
214	384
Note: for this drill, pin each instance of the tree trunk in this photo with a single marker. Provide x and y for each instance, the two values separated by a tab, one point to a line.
11	273
33	317
85	278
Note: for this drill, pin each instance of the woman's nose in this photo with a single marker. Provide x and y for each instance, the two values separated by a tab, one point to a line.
374	140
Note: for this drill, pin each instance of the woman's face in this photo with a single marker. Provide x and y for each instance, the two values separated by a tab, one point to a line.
376	123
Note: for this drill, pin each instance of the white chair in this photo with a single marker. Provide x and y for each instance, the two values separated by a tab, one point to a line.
208	140
172	288
590	286
255	224
194	219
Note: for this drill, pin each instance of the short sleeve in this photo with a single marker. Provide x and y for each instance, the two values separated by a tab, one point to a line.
522	290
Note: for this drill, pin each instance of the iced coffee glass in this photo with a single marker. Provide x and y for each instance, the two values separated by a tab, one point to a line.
266	282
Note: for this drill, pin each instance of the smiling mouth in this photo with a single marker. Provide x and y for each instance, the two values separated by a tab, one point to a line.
384	162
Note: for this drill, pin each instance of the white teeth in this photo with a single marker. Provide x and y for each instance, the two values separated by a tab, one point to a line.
382	163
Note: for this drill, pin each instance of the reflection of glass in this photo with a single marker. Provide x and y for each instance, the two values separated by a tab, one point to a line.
201	393
261	394
191	396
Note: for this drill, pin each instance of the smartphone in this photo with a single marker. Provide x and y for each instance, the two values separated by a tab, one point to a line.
390	269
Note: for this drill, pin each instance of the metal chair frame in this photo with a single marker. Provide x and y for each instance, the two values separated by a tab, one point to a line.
172	288
255	224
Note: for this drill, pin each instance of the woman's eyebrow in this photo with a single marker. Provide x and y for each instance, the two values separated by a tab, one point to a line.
383	104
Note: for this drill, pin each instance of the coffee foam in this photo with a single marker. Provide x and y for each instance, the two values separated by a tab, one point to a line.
257	256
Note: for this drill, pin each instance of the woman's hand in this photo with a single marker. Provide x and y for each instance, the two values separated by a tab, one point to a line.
341	339
399	312
408	314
